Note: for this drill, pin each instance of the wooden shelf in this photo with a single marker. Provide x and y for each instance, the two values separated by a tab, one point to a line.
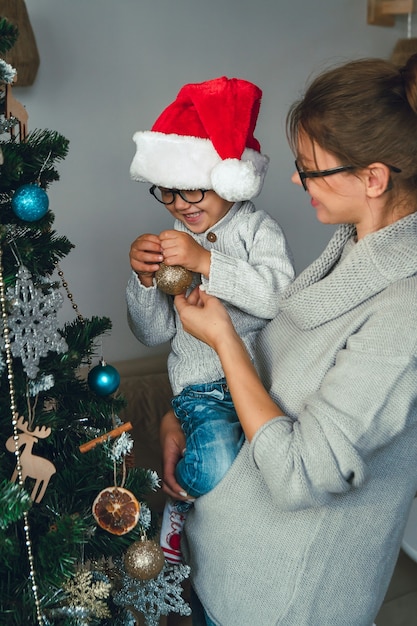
383	12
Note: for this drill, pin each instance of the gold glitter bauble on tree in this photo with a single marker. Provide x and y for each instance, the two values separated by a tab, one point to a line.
144	559
173	279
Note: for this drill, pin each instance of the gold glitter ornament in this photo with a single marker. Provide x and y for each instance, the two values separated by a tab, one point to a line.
173	279
144	559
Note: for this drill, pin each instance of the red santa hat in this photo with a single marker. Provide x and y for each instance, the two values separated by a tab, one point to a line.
204	140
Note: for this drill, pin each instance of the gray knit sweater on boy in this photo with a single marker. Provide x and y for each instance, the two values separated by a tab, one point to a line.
250	267
305	528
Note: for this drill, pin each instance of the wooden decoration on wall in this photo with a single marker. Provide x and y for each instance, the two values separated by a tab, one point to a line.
383	12
403	49
24	55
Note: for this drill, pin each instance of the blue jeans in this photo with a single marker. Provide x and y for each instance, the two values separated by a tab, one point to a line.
213	435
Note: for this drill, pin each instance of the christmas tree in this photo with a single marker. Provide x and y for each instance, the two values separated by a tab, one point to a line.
75	536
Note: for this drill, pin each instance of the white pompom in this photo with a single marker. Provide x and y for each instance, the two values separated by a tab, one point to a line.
236	180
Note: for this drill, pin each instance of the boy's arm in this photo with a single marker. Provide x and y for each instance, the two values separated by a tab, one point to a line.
151	315
254	284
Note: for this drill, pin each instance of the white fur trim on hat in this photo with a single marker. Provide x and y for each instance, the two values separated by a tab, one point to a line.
235	179
185	162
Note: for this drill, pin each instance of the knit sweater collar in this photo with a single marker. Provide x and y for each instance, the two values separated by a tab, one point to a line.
326	288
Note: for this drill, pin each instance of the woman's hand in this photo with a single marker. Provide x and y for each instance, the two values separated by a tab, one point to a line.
204	317
172	443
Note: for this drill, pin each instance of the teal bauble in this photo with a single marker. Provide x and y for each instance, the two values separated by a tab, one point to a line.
103	379
30	203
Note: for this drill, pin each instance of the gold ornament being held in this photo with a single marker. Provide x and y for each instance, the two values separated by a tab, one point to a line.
173	279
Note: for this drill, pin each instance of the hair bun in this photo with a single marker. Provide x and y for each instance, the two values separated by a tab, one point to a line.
409	77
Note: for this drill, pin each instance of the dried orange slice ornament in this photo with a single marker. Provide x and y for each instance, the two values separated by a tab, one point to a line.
116	510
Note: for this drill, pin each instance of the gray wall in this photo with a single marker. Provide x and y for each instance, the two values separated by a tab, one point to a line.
109	67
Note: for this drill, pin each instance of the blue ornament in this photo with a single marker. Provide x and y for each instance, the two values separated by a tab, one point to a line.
30	203
103	379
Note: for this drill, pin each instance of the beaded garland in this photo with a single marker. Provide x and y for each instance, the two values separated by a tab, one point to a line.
13	409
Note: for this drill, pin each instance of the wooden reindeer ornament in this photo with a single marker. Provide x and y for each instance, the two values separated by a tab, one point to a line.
33	466
14	108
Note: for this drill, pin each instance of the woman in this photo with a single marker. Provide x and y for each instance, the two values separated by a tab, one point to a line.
305	528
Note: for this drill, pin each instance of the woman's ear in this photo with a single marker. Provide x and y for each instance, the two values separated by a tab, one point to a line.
377	179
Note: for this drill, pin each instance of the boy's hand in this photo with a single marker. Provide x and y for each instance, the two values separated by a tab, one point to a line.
181	249
145	256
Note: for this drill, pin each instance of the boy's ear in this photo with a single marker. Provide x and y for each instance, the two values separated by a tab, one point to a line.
377	179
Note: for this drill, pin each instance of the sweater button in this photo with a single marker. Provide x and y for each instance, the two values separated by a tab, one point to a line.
212	237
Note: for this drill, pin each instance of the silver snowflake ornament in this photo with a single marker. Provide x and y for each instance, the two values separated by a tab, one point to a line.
33	322
156	597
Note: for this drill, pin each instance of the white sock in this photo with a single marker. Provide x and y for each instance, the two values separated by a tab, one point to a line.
172	524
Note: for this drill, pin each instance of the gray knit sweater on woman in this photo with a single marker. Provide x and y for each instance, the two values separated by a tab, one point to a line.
250	266
305	528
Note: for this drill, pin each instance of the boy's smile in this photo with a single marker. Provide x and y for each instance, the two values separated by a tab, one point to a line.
201	216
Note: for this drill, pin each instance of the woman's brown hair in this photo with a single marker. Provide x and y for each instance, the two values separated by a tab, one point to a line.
362	112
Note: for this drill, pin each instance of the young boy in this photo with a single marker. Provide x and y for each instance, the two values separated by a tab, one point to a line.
205	165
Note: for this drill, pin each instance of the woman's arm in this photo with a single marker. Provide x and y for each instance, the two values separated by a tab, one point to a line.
206	318
172	444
